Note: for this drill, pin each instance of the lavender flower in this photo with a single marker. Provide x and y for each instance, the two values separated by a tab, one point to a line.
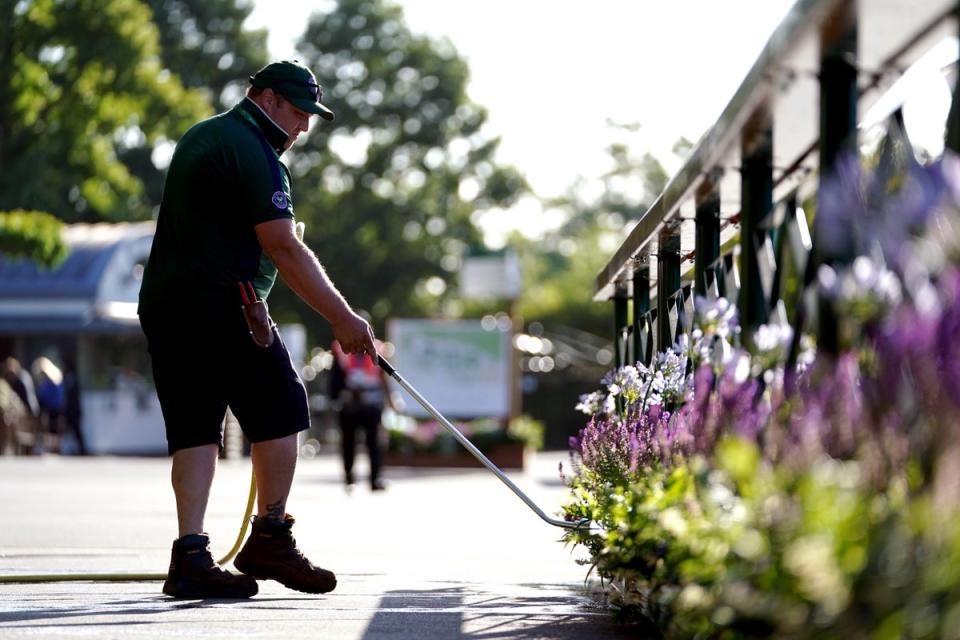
841	208
889	401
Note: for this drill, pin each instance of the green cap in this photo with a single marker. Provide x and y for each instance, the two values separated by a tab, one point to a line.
294	82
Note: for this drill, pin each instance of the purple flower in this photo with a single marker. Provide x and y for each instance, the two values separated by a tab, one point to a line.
859	213
841	208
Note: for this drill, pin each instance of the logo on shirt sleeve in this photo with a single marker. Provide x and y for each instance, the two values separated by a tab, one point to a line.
279	200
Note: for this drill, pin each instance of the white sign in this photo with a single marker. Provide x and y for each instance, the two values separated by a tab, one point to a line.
491	277
462	369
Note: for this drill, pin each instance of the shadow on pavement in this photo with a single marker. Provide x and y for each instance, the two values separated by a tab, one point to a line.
445	614
433	613
143	606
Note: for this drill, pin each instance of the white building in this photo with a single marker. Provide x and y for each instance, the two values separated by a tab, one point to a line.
85	312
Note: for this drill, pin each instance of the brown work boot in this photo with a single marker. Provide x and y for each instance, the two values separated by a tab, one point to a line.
193	573
271	553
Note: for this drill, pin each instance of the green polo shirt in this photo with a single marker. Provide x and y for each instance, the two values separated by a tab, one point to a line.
225	178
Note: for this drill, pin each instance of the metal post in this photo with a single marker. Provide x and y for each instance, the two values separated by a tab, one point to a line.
619	327
641	307
838	131
756	205
838	86
952	140
668	286
516	375
783	246
707	248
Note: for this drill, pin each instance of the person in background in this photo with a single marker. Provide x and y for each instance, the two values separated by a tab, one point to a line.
21	382
50	396
21	427
359	390
72	413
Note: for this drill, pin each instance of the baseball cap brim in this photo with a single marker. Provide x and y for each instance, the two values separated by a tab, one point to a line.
310	106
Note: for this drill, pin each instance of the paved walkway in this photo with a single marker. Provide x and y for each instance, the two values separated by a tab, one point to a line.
442	554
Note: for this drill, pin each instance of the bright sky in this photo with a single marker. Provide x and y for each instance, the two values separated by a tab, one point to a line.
553	73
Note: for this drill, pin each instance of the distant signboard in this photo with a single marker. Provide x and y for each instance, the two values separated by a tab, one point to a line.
491	276
460	367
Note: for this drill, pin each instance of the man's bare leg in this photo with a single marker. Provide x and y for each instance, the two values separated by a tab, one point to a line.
193	571
192	476
271	552
274	462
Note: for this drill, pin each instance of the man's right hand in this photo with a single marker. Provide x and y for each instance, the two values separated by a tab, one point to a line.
355	335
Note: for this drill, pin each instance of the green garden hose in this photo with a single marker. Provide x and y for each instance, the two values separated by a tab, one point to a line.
137	577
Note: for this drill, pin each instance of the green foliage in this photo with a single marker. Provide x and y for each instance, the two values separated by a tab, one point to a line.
205	44
33	235
560	268
527	430
743	549
389	190
86	84
798	502
559	271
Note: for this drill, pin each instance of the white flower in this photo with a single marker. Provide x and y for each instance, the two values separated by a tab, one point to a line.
741	367
609	406
864	289
627	383
590	403
807	354
772	337
715	317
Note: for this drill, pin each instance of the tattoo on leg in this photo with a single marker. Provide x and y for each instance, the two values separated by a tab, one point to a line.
276	510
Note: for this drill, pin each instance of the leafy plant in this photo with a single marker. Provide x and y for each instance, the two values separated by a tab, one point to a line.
738	498
413	436
33	235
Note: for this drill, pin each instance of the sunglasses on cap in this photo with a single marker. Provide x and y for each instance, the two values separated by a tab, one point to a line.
315	90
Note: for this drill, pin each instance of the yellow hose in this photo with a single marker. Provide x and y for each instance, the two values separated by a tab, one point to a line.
246	521
137	577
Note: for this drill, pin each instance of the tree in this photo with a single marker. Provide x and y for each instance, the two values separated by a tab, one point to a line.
87	83
390	189
32	235
559	273
560	269
204	44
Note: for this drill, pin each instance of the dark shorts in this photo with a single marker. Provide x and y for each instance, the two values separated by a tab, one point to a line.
203	364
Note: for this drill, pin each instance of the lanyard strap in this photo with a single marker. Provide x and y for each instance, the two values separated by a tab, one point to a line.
272	160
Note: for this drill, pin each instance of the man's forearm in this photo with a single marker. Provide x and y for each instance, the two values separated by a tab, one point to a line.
301	270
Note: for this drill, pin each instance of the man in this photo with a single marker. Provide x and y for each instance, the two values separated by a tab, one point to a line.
225	229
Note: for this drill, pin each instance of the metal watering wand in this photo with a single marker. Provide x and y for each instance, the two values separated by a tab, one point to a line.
476	453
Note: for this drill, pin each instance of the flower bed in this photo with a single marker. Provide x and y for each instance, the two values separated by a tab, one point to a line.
413	443
740	497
